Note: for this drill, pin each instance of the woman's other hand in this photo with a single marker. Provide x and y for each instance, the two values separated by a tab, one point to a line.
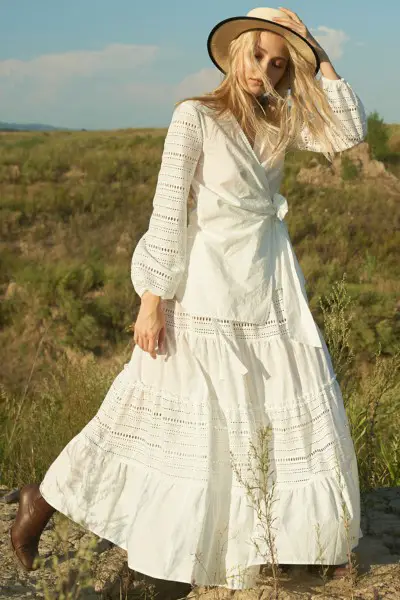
294	22
149	331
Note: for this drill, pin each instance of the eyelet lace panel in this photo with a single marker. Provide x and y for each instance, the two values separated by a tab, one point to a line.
189	438
226	333
178	321
350	114
159	257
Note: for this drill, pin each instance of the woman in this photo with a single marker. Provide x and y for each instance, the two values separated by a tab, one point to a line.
226	345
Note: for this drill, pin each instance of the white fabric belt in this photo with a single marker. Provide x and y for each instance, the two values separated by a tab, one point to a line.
280	206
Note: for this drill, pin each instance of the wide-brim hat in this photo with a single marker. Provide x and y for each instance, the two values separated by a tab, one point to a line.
227	30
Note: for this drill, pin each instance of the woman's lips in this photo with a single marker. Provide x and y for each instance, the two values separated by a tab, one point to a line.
256	80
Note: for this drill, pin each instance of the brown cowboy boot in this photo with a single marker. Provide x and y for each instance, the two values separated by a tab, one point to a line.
341	571
32	517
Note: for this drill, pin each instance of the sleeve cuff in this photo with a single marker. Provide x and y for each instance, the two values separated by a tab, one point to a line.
332	83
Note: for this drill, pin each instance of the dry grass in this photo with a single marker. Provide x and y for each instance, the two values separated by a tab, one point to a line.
68	303
63	404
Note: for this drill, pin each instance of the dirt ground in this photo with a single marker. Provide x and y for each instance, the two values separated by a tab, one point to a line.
377	557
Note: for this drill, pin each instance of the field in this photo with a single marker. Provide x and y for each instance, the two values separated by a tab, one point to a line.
73	207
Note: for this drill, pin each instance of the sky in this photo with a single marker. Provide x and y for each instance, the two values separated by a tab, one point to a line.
102	64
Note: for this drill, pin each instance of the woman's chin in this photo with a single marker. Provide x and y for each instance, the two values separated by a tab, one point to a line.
256	90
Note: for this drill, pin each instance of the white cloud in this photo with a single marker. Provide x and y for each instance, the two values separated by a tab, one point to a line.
78	63
158	93
198	83
117	86
332	40
52	86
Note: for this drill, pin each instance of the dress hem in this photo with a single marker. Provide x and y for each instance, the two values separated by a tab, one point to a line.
146	571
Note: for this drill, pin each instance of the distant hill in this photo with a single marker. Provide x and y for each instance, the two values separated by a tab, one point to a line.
30	127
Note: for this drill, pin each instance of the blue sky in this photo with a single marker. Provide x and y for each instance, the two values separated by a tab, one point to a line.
102	64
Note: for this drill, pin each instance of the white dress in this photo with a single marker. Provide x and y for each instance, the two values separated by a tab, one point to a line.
156	470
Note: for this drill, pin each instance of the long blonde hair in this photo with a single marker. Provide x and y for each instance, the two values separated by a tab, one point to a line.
305	106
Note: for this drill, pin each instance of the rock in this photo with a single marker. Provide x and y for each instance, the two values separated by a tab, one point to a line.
378	557
318	175
395	505
382	525
370	551
13	496
109	569
331	175
388	541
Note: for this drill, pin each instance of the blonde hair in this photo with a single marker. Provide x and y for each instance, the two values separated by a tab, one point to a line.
306	105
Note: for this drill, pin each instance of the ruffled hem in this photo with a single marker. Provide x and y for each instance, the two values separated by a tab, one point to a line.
153	470
183	531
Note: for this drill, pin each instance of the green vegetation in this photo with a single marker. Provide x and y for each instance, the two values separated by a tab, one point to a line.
349	169
74	205
384	142
378	137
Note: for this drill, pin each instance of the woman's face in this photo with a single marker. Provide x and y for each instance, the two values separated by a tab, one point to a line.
272	56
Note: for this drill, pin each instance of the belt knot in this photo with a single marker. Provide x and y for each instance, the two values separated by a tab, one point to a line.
280	205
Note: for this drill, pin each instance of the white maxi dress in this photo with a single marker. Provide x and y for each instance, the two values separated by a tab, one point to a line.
161	468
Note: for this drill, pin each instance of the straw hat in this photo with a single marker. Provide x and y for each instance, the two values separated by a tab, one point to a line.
258	18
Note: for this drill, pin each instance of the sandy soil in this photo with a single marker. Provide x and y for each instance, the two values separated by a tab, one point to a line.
377	557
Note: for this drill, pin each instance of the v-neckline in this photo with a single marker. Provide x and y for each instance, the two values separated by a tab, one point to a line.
245	138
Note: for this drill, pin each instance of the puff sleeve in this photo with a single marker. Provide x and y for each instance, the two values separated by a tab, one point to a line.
350	113
159	258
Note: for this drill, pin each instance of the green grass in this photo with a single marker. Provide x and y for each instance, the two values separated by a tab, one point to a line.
75	204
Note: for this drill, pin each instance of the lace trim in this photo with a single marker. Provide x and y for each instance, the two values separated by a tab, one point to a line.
192	437
178	321
351	118
159	257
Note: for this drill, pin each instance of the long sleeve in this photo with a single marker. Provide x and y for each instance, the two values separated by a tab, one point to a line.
159	258
350	112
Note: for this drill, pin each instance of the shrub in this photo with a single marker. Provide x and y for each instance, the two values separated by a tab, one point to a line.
377	136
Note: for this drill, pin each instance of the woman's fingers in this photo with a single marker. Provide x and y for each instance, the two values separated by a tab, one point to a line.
161	339
151	347
142	342
146	343
299	27
287	20
148	331
138	338
291	13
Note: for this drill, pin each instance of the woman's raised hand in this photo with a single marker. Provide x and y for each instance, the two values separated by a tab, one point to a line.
149	331
293	21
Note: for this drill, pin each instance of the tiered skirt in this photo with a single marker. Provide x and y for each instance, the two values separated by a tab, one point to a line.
229	450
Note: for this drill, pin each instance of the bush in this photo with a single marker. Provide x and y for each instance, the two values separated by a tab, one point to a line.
378	137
